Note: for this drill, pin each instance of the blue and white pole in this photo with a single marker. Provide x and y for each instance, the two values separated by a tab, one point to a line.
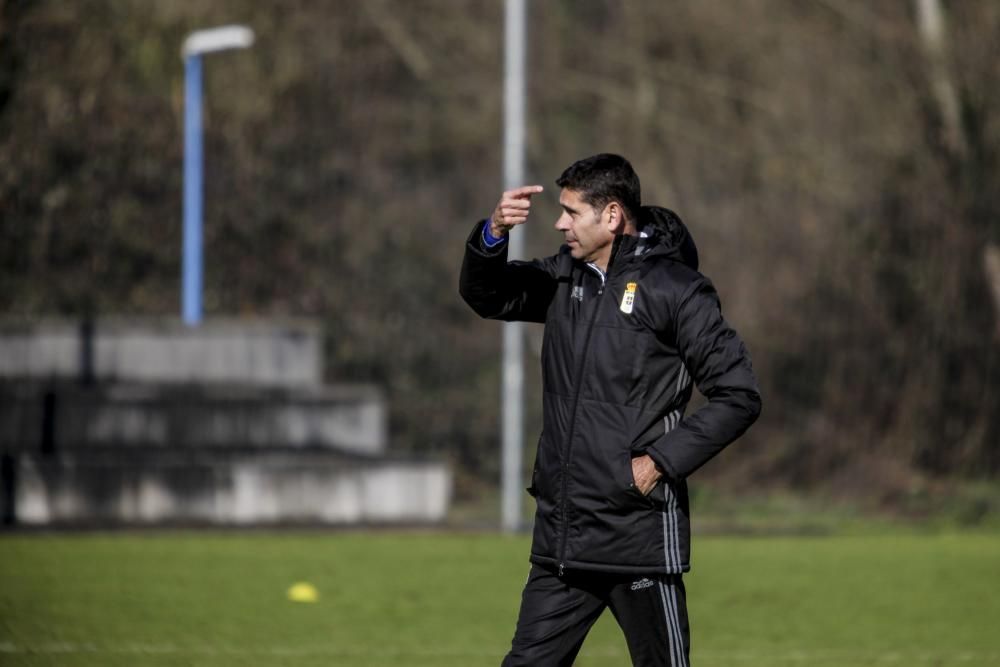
196	44
193	193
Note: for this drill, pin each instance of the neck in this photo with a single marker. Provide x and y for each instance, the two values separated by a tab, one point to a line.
604	257
601	261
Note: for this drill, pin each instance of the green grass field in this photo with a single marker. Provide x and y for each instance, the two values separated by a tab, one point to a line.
209	598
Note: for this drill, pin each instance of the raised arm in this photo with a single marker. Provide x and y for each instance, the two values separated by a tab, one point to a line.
492	286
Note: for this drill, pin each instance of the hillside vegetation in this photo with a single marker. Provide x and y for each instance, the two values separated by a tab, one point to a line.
836	161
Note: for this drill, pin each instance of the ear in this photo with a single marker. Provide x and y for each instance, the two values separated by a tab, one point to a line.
614	217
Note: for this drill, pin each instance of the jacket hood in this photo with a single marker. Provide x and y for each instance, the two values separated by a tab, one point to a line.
666	233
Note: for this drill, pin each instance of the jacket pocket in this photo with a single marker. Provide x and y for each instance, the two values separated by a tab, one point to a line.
541	469
627	489
533	487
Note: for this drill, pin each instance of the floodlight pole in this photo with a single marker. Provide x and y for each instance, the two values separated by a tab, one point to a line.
512	430
192	262
197	44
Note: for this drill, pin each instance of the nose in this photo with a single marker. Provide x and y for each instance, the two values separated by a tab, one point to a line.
562	222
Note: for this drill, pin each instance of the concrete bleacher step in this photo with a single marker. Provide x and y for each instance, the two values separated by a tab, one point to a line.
56	417
164	350
108	486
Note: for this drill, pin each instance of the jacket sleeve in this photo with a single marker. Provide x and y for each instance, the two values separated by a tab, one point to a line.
502	290
720	366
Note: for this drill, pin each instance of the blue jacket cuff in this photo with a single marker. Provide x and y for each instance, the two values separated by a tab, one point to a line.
488	239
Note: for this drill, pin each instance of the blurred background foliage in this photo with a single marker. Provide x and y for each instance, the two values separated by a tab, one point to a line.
836	161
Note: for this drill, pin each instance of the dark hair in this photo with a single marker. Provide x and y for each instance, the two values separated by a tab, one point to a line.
603	178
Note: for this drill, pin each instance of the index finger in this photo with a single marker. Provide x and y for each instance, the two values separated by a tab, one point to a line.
525	191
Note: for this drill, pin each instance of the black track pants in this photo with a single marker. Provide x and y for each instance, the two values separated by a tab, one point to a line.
557	612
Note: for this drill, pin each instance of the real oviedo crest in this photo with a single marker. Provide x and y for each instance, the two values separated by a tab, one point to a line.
628	298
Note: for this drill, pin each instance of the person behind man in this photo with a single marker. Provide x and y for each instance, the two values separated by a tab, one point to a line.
629	325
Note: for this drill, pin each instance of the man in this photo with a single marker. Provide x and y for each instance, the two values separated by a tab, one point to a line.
629	323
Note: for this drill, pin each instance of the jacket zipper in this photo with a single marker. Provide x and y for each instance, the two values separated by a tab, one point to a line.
576	403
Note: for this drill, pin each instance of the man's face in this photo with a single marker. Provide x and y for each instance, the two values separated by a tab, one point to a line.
585	229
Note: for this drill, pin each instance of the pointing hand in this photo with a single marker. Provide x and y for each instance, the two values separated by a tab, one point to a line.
512	209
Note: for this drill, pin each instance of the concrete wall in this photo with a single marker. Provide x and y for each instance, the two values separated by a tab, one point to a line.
262	353
148	422
38	417
231	488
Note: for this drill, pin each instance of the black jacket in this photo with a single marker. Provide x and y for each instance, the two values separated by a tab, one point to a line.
619	355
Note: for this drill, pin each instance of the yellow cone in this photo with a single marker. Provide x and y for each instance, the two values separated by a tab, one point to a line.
303	591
